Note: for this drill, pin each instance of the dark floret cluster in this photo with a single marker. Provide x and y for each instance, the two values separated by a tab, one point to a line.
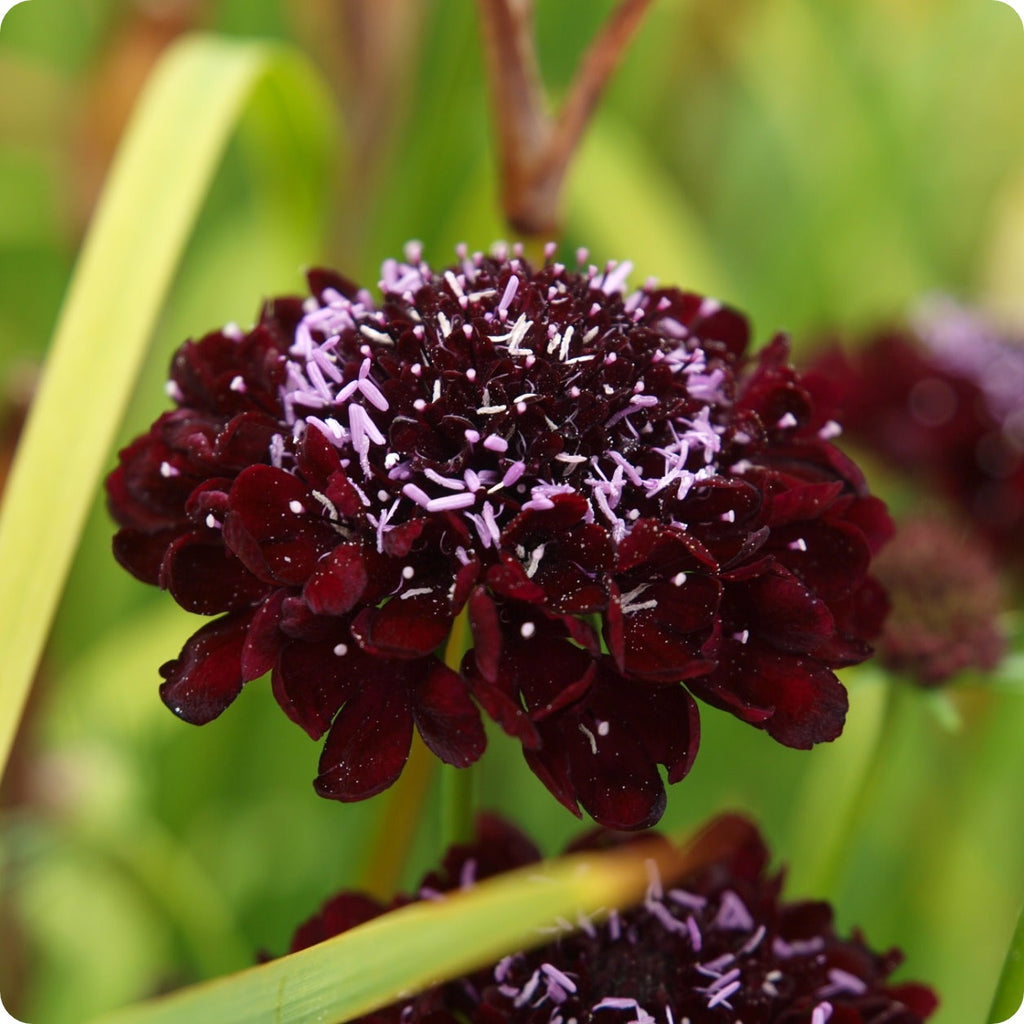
619	506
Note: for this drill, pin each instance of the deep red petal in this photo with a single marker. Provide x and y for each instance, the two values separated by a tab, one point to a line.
312	680
204	577
806	702
447	718
550	763
245	440
831	558
669	722
509	579
142	553
367	746
783	613
264	640
404	628
504	710
274	525
207	676
803	502
337	582
483	620
613	776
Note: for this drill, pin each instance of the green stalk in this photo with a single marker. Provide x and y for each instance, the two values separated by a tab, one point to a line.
457	788
395	828
840	786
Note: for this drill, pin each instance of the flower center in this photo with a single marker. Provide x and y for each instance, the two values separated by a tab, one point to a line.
486	390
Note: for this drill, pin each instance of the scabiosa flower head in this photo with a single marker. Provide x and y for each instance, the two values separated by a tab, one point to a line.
943	400
716	947
946	601
626	508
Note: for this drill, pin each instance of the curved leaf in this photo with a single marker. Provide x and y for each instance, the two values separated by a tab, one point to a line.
162	172
425	943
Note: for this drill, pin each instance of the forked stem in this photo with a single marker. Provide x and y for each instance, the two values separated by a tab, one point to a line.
536	149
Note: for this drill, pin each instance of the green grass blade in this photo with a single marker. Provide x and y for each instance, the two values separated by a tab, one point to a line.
1010	990
421	944
154	193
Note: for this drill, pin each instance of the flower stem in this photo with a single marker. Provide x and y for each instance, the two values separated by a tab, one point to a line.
840	788
386	854
457	789
535	148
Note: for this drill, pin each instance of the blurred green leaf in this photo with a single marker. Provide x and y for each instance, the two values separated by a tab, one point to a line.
163	170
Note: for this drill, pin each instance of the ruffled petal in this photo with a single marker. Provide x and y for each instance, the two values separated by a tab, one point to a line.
801	700
404	628
274	525
367	746
205	577
338	581
312	680
446	716
207	676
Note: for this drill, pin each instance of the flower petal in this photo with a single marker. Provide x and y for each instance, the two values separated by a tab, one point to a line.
207	676
447	718
404	628
205	577
806	703
338	581
368	744
312	680
274	526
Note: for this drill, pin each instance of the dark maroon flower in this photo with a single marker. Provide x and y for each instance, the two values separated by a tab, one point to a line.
946	601
942	401
627	509
716	947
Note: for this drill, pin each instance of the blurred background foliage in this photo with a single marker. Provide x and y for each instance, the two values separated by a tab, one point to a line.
822	164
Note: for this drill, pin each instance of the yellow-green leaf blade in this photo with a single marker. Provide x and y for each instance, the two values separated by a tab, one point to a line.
162	172
425	943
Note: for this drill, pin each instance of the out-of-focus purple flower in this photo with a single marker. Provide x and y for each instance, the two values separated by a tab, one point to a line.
628	509
944	402
717	946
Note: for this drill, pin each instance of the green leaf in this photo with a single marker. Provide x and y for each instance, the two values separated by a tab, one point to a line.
163	170
1010	990
426	943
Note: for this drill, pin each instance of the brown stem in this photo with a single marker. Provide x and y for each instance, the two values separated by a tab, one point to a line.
535	150
595	71
517	93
